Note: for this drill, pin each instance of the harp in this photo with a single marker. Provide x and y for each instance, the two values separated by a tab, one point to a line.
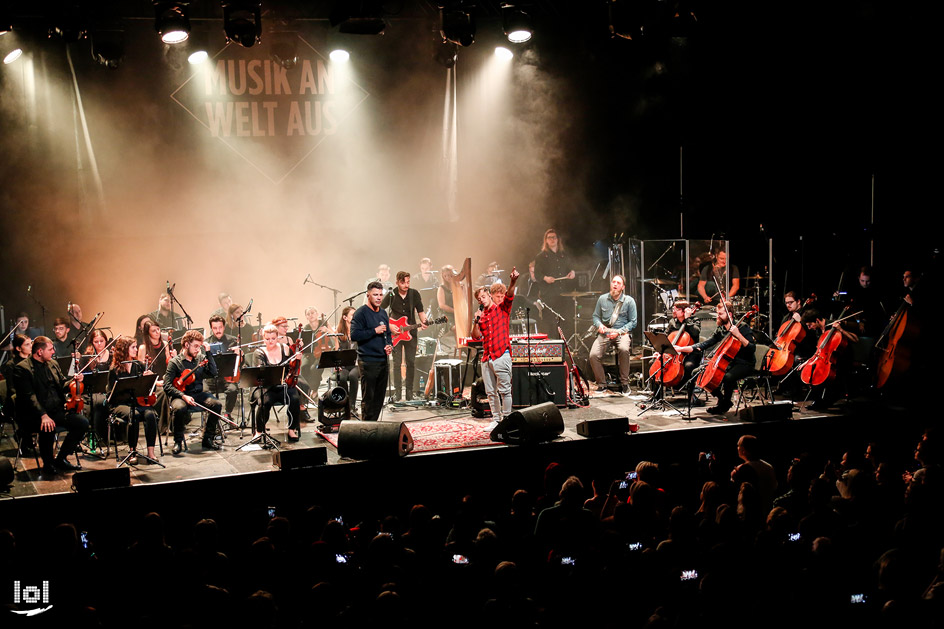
462	302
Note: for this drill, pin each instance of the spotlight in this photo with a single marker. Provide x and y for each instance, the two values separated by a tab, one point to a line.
503	53
517	24
108	47
458	25
358	17
69	32
339	56
285	49
171	20
12	56
446	54
242	21
334	406
197	57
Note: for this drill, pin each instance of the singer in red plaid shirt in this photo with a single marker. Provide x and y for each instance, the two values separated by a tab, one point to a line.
493	325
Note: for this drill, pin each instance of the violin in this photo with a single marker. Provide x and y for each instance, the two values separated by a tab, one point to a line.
710	379
674	368
74	401
188	376
791	333
821	368
894	346
295	365
233	378
151	398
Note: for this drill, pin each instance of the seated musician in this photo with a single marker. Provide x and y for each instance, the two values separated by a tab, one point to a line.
826	394
741	366
219	343
163	315
233	327
62	342
40	405
76	325
192	395
614	317
275	353
225	302
348	377
310	372
124	365
98	358
139	334
790	385
155	352
683	314
22	327
22	349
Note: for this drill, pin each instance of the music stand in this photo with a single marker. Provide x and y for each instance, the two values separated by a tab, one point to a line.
134	387
265	376
95	382
660	343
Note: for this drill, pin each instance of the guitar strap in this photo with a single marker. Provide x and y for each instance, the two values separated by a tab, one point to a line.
616	311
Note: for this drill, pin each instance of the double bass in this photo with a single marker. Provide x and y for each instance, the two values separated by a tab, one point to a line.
710	379
779	359
674	369
894	346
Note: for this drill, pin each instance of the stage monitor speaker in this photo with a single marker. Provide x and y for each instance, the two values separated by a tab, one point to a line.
530	425
778	411
101	479
528	389
301	458
6	473
373	440
607	427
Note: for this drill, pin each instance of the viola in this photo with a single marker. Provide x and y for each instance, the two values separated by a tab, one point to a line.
674	368
710	379
821	368
791	333
188	376
295	365
894	346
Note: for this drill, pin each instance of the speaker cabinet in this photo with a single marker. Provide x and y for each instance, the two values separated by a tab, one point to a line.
527	387
373	440
778	411
608	427
301	458
531	425
92	480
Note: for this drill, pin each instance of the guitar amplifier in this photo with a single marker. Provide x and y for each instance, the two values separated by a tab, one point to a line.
542	352
527	389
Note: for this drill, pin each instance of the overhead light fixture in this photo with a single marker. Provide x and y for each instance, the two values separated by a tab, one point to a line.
285	49
197	57
458	24
516	24
446	54
242	21
339	55
503	53
358	17
172	21
12	56
108	47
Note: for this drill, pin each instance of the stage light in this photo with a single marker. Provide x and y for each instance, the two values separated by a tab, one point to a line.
339	56
358	17
446	54
503	53
171	20
285	49
458	25
242	21
517	24
334	406
197	57
12	56
108	47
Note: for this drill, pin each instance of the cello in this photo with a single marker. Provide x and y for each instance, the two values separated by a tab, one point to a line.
821	367
779	359
674	370
893	346
727	349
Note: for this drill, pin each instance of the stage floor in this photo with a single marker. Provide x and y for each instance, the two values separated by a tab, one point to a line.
198	463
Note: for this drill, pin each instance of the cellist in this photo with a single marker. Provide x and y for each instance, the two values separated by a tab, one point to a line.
790	384
826	394
683	315
742	365
275	353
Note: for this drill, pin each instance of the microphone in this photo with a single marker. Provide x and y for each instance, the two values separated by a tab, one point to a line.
29	288
168	286
248	308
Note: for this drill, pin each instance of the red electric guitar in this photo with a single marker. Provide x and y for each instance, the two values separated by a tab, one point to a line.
404	334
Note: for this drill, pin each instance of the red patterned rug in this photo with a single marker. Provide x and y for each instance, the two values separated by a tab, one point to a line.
430	435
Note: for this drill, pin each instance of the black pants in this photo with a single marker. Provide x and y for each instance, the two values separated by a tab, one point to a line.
349	379
181	411
77	426
264	399
373	388
148	414
736	371
407	349
311	374
228	389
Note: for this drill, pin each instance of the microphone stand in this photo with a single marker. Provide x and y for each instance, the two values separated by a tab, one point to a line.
173	300
239	344
350	300
335	291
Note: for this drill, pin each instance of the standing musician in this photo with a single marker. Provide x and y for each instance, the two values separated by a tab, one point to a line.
826	394
683	314
223	343
404	302
552	265
322	328
124	365
493	325
181	400
742	365
163	315
370	330
40	405
348	378
720	270
614	317
275	352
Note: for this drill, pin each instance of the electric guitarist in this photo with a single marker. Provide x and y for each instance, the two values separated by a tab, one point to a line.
404	301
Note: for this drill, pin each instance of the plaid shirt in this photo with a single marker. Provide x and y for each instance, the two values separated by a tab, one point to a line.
495	325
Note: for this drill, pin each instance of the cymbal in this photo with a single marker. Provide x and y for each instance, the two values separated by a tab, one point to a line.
577	293
657	281
754	277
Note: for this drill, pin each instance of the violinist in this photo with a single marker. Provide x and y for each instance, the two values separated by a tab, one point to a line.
220	342
742	365
275	353
22	349
826	394
139	334
99	360
63	341
348	378
156	351
404	301
198	364
40	405
124	365
311	373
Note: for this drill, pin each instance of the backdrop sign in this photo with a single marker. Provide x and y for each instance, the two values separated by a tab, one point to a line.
272	117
